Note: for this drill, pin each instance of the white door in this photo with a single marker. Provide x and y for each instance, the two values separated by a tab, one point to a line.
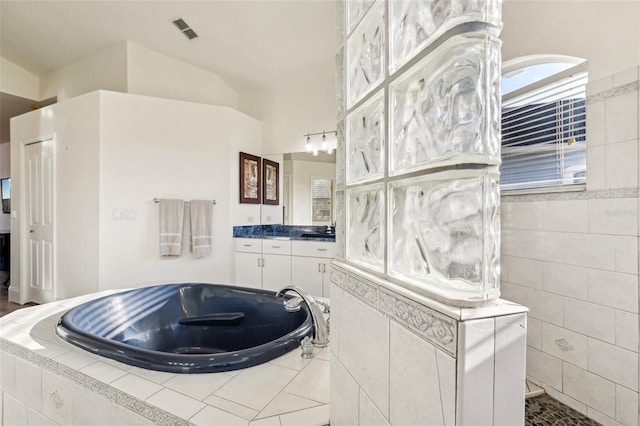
39	209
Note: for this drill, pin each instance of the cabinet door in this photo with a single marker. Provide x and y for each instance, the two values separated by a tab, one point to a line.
306	272
326	280
276	271
248	270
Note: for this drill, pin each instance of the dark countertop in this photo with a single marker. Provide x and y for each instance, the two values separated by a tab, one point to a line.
285	232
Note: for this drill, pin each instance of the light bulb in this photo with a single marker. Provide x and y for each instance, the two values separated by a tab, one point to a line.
324	142
308	144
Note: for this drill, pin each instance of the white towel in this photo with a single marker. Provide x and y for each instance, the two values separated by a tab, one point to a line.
171	218
201	227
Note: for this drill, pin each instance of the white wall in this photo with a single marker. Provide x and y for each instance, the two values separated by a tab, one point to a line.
302	172
573	260
128	67
151	73
104	70
606	33
119	151
151	147
17	81
74	126
304	106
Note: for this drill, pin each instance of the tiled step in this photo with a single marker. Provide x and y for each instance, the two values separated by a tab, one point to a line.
532	390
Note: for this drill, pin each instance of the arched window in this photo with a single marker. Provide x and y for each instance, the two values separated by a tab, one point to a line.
543	122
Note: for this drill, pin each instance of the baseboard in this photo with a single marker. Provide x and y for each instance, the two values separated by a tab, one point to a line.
14	295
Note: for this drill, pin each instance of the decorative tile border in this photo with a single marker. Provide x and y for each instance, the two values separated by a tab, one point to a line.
116	396
574	195
616	91
356	285
429	324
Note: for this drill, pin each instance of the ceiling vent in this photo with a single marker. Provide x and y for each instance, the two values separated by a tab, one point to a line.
185	28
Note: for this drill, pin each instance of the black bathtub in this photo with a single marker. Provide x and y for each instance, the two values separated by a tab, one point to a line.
187	328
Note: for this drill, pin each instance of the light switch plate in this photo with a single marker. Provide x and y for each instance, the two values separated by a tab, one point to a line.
124	214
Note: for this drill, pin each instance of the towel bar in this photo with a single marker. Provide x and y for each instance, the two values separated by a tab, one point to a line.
157	200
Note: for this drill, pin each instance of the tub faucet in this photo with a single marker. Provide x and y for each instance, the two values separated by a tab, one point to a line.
320	334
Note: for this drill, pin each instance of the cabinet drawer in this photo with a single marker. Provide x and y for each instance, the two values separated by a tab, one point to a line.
313	249
276	246
249	245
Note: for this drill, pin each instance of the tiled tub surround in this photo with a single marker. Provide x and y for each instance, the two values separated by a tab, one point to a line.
402	359
572	258
46	381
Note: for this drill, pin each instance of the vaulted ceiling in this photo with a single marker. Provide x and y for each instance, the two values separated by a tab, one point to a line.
253	45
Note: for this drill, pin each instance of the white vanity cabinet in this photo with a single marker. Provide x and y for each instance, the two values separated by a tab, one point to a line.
276	264
248	258
262	263
310	265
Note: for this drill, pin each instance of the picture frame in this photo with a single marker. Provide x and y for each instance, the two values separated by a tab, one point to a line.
271	182
5	189
250	179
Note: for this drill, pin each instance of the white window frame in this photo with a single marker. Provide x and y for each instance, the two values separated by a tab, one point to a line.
580	67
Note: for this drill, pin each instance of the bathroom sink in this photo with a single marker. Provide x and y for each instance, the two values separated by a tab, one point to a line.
318	235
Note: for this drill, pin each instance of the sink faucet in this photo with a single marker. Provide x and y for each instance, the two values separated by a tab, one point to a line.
320	334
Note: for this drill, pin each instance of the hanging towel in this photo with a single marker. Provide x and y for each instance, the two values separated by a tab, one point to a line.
201	227
171	218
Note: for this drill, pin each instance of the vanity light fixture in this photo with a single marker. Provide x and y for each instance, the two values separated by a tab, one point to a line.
323	144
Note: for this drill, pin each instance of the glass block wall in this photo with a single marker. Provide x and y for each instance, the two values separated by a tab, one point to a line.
418	93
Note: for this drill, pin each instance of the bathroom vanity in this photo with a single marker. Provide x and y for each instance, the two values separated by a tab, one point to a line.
277	257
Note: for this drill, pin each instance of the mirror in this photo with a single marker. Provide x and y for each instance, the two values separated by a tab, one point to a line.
307	190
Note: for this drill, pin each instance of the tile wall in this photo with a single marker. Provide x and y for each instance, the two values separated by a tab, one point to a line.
572	258
397	360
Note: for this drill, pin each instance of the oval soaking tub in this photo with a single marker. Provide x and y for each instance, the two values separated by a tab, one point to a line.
187	328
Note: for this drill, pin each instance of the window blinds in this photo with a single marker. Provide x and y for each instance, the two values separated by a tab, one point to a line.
544	132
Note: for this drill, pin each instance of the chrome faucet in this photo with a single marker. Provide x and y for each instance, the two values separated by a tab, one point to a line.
320	334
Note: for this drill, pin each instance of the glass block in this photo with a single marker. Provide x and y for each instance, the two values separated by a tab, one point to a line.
365	55
355	11
340	154
365	226
415	24
340	224
365	141
445	233
340	88
446	109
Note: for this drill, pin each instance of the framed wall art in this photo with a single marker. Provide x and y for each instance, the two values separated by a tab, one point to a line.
250	185
6	195
271	182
